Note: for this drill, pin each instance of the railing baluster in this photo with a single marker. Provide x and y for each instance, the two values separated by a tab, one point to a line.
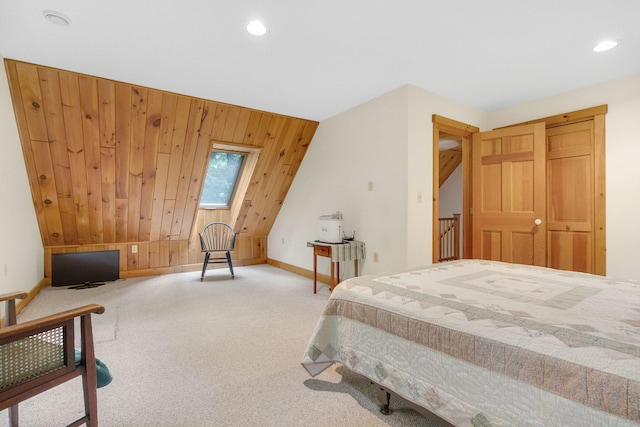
449	238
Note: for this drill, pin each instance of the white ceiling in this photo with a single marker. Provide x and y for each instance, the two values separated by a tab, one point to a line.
323	57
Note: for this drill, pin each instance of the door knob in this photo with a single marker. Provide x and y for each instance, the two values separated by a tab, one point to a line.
538	221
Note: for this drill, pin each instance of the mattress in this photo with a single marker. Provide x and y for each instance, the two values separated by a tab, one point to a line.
489	343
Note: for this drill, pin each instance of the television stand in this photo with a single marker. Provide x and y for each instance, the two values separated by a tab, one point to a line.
87	285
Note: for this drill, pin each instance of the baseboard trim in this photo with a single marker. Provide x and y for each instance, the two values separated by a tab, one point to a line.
322	278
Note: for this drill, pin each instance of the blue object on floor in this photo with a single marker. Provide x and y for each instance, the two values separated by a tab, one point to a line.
104	376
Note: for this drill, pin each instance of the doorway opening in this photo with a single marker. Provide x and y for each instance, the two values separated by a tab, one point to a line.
451	192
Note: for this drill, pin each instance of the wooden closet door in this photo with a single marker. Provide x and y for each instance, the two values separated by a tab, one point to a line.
570	197
573	229
509	200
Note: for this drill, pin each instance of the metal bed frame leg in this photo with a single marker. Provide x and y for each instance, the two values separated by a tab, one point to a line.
384	397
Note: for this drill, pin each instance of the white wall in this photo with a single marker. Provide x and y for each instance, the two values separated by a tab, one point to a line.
622	160
362	145
387	141
21	251
422	106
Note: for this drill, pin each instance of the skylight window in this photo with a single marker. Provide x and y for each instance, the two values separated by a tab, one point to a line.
222	176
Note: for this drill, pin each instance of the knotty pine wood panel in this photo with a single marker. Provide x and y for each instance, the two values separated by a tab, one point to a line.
112	164
134	169
59	155
91	132
107	122
269	182
449	161
233	114
72	113
293	160
150	171
262	132
252	128
201	152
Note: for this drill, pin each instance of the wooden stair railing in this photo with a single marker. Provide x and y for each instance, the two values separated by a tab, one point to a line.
449	240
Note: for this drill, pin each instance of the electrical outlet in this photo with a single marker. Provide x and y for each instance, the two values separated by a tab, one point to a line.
134	249
375	257
283	240
370	185
419	196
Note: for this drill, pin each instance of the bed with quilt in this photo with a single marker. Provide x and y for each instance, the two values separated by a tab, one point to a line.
483	343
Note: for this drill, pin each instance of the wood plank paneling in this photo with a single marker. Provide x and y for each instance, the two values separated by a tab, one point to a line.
59	156
149	164
91	133
107	112
123	141
252	128
112	165
135	168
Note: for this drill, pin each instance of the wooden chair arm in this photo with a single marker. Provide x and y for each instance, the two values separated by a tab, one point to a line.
9	300
41	355
46	322
13	295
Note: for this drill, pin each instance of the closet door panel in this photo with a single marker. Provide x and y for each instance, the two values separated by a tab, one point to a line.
570	197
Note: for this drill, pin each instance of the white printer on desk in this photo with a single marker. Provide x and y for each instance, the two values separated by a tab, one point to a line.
330	228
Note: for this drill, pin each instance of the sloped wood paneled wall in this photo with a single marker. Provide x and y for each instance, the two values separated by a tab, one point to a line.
113	165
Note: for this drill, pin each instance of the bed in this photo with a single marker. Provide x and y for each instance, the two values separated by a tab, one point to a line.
483	343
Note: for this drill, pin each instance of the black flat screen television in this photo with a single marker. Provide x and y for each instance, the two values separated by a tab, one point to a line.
85	268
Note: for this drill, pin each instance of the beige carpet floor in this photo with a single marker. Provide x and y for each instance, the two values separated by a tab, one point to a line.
220	352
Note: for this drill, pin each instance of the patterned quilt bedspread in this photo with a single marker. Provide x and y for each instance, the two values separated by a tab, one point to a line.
489	343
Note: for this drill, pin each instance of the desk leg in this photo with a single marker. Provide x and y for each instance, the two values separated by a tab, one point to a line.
355	263
315	272
333	277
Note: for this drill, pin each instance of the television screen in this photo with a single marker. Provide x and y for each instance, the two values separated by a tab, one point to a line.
76	268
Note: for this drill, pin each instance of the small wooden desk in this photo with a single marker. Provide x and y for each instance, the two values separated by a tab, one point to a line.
336	256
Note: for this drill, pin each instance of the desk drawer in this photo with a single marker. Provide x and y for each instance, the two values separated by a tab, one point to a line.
322	250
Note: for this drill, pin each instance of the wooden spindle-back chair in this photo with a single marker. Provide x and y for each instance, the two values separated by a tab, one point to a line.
217	241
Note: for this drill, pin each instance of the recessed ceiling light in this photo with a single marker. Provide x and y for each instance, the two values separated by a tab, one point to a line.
605	45
56	17
257	28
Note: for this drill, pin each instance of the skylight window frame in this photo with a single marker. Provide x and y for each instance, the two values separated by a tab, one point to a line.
239	175
243	180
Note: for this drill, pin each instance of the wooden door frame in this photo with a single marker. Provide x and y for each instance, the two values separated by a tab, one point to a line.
463	130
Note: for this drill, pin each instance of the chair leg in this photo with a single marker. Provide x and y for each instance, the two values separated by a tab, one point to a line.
90	376
13	416
204	266
230	265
